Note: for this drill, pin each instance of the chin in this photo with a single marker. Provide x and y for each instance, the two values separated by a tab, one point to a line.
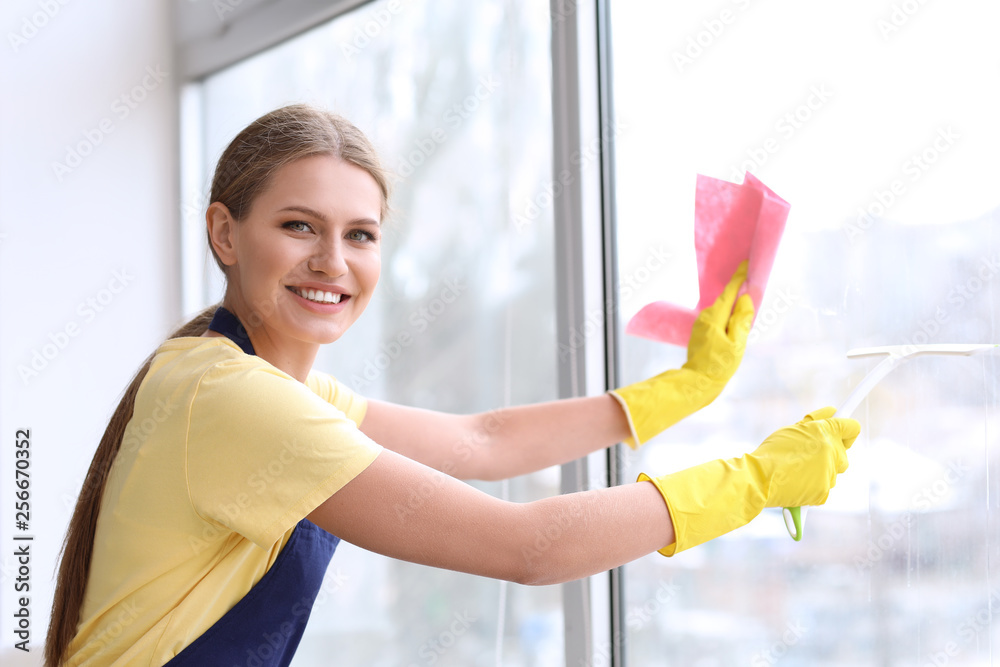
322	337
326	340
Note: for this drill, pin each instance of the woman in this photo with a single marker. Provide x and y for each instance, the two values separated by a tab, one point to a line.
208	516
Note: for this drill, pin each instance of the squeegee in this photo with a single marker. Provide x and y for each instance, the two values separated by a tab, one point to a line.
898	355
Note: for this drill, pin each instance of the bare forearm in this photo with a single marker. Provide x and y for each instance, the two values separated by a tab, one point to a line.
501	443
405	510
581	534
527	438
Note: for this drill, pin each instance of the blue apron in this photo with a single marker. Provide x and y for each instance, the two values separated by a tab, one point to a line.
264	628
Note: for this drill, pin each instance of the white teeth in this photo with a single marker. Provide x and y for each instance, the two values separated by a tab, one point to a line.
318	296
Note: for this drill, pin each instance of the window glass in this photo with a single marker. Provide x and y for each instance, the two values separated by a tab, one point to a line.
456	96
877	123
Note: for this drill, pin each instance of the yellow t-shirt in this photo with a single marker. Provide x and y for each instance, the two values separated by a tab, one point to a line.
223	456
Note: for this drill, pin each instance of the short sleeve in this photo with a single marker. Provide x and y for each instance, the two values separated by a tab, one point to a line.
264	450
338	394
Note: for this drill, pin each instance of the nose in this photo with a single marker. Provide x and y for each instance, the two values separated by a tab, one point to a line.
329	258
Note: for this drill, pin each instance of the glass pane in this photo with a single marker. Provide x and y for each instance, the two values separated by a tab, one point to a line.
456	97
877	123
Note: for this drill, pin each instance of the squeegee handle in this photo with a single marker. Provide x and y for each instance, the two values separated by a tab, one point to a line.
795	516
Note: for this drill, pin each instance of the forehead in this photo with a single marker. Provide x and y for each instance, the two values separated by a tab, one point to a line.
326	184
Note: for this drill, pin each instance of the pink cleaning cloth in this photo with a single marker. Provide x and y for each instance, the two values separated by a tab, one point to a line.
732	222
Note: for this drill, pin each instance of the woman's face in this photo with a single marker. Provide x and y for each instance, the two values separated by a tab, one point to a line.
304	262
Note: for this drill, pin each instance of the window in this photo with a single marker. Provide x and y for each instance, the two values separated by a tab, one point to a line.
877	122
456	96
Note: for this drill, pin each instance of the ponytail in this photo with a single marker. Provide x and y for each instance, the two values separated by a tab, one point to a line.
78	547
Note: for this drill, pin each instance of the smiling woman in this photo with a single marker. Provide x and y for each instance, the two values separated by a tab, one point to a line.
205	542
304	261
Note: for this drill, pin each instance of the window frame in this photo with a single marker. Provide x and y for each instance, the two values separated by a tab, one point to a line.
209	37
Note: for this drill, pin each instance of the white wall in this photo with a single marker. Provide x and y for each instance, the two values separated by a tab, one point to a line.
102	229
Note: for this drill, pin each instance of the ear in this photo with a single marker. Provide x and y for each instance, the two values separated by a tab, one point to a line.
222	231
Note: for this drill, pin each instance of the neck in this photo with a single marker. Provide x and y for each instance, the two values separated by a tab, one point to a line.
294	357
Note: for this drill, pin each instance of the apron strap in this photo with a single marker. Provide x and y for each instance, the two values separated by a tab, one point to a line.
227	324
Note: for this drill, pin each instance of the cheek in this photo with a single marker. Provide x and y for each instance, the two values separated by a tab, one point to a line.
260	276
370	270
272	260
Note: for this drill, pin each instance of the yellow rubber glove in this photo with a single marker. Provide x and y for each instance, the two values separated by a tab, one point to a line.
796	465
714	353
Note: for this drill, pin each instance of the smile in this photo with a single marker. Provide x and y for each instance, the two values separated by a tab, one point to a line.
317	296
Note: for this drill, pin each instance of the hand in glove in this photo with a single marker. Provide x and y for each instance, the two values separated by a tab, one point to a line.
796	465
715	350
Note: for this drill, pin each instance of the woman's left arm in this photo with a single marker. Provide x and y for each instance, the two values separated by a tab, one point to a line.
501	443
514	441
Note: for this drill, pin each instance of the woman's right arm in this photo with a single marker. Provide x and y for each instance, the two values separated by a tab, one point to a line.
406	510
403	509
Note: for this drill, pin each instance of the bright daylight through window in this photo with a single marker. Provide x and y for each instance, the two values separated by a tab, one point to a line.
877	123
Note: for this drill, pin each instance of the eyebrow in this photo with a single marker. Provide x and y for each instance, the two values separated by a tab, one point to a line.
316	214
